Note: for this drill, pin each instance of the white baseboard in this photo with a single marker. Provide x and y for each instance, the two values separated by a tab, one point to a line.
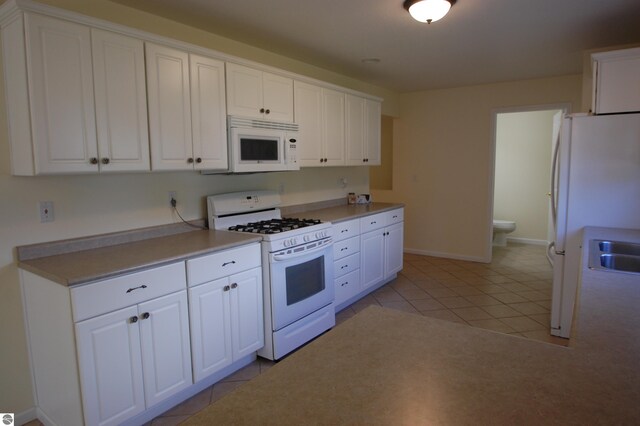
527	241
446	255
26	416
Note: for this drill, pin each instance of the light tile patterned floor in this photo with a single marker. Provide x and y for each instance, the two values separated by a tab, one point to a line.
512	294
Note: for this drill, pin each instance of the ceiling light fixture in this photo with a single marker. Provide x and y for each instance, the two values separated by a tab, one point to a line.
428	10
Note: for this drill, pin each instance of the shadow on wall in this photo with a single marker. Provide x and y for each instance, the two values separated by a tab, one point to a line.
381	177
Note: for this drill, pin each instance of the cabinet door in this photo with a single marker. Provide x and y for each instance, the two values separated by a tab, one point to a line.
355	130
372	123
278	97
209	113
244	91
247	323
393	249
169	108
166	353
308	114
210	321
121	102
333	127
61	87
110	367
372	258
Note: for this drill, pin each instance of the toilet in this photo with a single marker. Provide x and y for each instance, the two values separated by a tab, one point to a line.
500	230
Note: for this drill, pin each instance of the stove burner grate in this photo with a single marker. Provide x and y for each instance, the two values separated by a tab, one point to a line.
274	226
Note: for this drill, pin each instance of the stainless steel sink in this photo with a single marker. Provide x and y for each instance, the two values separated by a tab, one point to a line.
617	256
619	247
620	262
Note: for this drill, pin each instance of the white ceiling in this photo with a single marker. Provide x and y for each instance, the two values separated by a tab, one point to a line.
479	41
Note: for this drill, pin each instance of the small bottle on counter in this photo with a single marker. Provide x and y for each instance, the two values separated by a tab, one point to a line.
351	198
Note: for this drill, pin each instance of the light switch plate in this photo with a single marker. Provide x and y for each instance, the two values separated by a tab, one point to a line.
46	211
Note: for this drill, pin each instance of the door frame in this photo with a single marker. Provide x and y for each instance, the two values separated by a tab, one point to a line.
564	106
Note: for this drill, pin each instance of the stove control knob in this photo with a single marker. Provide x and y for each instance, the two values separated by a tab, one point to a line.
286	243
306	238
293	241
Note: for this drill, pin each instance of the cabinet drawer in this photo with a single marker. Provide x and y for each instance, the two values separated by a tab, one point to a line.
346	265
344	230
346	247
372	222
115	293
222	264
347	286
394	216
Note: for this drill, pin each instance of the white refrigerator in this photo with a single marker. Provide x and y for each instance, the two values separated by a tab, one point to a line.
596	182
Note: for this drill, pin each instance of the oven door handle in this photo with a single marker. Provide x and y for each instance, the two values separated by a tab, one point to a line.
323	246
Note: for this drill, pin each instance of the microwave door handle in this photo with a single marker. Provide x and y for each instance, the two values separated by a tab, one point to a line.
281	257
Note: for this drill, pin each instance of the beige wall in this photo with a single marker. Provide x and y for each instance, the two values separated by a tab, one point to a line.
93	204
523	172
443	161
381	177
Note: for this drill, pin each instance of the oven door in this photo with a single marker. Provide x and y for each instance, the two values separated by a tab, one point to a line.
301	283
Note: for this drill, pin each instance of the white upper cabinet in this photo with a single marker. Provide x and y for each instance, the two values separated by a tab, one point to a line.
363	131
616	81
208	113
187	118
169	108
121	102
320	114
258	94
83	96
61	96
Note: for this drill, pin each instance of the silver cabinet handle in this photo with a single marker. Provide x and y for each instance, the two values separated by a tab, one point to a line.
135	288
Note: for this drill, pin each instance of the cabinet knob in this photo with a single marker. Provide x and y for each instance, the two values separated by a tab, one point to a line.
190	160
93	160
234	285
146	315
198	160
267	111
105	160
133	319
261	110
226	288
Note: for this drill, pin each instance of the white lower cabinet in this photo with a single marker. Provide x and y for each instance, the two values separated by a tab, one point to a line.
367	253
133	358
225	312
381	248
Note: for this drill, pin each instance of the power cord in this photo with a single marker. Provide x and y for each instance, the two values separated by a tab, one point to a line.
174	204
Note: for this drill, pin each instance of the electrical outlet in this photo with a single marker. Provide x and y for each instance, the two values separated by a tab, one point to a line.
342	182
281	188
46	211
173	196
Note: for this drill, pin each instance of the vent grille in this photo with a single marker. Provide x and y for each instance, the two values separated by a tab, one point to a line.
255	123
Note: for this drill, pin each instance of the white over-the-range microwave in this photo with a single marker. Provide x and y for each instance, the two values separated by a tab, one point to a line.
257	145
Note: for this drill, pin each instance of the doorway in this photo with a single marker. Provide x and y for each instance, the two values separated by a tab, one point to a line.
523	142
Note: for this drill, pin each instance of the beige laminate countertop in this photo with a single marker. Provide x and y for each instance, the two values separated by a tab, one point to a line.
348	211
100	263
385	367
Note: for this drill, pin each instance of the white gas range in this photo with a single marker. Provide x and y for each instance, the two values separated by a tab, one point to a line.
297	265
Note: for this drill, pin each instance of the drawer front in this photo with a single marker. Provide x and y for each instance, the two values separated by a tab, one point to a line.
223	263
395	216
372	222
347	286
346	265
116	293
346	248
344	230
